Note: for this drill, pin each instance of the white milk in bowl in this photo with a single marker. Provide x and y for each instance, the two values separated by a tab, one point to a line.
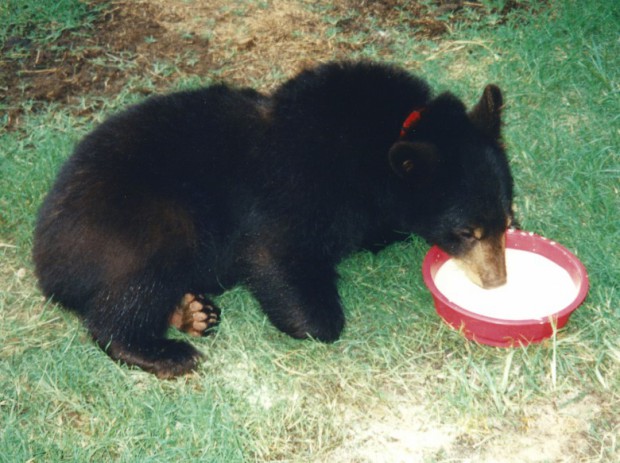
536	288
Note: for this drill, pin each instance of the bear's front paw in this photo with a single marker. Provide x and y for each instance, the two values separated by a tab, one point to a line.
195	315
165	358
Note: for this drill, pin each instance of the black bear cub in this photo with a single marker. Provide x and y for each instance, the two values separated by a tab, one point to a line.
184	195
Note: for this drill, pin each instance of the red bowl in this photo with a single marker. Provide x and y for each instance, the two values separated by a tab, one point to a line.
508	333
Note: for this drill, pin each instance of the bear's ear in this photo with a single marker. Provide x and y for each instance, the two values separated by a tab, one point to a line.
416	162
487	114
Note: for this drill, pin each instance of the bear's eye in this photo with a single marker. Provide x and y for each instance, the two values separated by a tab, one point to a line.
470	233
466	233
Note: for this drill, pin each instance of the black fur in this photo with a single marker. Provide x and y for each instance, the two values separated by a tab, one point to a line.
200	190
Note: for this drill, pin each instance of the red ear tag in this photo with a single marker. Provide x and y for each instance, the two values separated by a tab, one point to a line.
410	122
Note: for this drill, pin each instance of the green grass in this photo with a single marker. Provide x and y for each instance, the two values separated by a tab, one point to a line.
42	20
398	375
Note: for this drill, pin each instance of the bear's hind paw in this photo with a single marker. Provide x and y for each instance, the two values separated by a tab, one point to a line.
195	315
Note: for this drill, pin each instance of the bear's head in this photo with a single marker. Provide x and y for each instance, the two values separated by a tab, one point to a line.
453	170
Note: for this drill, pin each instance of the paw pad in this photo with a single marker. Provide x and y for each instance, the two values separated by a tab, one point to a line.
195	315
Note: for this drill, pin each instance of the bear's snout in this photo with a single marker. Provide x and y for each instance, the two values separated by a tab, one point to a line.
485	262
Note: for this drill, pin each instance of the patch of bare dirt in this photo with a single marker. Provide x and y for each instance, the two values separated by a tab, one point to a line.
405	433
547	433
246	42
127	41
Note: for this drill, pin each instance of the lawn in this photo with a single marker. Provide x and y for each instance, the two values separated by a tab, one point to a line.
399	386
